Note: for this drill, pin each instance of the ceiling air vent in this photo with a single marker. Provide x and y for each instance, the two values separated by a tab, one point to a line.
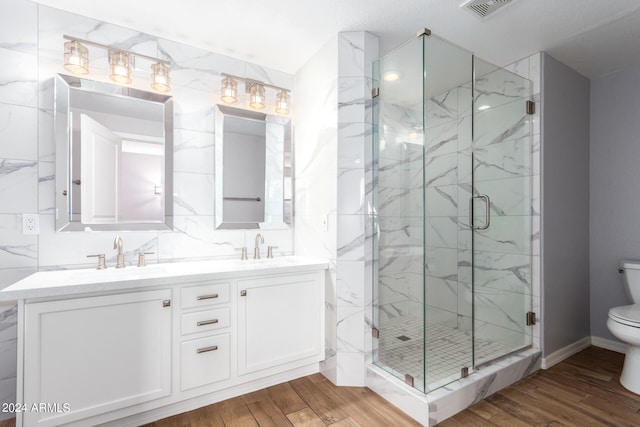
484	8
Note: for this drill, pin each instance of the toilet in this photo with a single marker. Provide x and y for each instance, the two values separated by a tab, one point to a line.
624	324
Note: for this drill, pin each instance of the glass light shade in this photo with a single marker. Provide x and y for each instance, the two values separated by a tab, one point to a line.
282	102
229	90
121	64
256	96
76	58
160	77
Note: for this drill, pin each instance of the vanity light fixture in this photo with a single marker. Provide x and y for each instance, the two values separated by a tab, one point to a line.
282	102
160	77
256	95
76	57
256	91
121	63
229	90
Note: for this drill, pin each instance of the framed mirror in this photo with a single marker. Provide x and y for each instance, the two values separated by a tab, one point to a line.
114	157
253	169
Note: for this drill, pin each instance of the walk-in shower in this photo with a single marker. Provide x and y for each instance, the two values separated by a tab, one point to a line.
452	212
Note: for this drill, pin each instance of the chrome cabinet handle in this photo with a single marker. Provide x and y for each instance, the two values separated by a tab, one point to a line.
210	296
487	201
207	322
207	349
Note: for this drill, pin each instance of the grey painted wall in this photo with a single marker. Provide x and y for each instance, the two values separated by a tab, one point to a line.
615	189
565	204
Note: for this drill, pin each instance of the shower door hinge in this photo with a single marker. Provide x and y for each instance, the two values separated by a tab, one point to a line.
375	333
375	92
464	372
408	379
531	107
531	318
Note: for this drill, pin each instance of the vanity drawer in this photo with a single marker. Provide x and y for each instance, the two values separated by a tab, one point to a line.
207	320
204	361
204	295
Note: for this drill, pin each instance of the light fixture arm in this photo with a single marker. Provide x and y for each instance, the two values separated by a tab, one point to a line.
251	82
110	48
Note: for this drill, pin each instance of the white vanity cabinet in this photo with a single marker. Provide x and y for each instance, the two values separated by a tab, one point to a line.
279	321
96	355
146	344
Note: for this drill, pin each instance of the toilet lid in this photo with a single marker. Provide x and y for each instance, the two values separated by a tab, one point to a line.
627	314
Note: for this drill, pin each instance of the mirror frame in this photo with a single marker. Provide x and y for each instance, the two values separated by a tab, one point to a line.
283	211
62	131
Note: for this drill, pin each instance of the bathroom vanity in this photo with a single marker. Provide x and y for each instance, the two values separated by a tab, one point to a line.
129	346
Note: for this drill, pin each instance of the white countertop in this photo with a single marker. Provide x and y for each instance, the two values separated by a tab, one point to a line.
68	282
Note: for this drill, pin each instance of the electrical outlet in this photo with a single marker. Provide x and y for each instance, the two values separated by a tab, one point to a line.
30	224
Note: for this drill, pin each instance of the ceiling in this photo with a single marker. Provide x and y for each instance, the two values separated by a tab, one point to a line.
595	37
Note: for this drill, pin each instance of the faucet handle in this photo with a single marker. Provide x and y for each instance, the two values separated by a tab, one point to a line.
102	265
270	251
243	256
141	260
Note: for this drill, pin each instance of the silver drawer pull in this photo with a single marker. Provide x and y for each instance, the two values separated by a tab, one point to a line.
210	296
207	322
206	349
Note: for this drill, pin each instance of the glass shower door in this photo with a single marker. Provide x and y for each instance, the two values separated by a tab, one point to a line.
502	212
398	219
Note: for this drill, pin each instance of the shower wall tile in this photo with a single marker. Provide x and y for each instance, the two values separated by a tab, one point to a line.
442	294
441	263
441	201
498	307
441	232
500	87
18	136
442	108
520	67
442	139
503	123
503	160
441	170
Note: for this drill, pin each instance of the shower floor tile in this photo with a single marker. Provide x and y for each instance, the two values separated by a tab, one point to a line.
448	350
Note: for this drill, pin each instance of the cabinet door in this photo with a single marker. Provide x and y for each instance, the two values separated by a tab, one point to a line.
279	321
96	354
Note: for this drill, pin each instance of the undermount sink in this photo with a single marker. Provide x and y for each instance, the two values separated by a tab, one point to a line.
116	273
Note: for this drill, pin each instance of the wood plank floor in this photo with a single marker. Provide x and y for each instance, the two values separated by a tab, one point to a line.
583	390
580	391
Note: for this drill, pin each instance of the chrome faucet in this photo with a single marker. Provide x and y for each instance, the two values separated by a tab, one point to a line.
256	251
117	244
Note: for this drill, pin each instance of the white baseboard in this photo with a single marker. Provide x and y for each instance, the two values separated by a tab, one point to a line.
612	345
568	351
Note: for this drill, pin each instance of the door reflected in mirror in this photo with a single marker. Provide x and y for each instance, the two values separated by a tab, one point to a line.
252	169
114	151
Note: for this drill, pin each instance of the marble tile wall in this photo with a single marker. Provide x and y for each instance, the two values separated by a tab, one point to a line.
31	53
333	192
316	172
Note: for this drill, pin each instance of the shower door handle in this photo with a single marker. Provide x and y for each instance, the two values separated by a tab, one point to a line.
487	202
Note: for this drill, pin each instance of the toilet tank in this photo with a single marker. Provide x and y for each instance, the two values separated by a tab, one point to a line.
632	279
